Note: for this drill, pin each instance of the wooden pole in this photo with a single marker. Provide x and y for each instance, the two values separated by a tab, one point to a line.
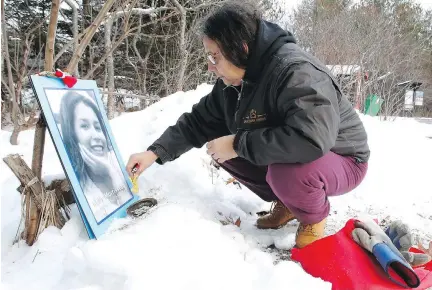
39	138
32	211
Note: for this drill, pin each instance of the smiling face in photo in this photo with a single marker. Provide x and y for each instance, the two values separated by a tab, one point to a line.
88	130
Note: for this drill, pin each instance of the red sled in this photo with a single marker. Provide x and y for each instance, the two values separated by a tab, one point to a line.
339	260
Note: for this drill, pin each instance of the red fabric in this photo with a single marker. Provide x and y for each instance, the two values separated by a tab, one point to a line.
69	81
427	266
58	73
339	260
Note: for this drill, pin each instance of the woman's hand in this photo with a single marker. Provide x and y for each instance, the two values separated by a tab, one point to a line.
99	165
222	149
143	159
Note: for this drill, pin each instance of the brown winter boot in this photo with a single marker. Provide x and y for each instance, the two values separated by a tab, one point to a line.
307	234
279	216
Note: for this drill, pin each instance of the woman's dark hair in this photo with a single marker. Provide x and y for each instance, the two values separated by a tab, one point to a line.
231	26
67	120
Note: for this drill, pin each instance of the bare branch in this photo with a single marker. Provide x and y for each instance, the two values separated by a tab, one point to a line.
120	40
8	66
89	35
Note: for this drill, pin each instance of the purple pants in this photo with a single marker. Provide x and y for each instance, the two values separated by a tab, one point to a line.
303	188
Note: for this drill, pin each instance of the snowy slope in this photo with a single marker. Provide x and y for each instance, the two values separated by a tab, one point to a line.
182	243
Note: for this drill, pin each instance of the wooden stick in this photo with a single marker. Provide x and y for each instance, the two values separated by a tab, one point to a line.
33	212
26	176
38	146
33	215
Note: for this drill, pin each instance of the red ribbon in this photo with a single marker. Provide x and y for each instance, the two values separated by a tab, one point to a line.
68	80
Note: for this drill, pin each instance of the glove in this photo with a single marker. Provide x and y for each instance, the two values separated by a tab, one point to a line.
371	237
400	235
427	251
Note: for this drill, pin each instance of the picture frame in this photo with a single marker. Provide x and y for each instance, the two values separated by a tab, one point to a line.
78	124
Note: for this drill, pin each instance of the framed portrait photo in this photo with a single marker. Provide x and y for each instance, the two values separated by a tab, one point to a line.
79	127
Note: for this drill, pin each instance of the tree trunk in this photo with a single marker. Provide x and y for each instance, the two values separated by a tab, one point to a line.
86	22
110	68
33	213
182	45
74	29
39	139
52	29
15	133
142	61
38	146
21	80
14	141
23	72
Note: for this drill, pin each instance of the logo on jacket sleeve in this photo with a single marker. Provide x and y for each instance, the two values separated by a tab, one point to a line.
254	117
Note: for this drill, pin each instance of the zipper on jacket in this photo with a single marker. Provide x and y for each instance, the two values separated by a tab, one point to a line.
238	103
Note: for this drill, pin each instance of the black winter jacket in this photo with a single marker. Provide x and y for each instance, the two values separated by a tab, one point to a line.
289	109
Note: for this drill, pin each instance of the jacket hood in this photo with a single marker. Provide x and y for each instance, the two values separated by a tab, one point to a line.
269	38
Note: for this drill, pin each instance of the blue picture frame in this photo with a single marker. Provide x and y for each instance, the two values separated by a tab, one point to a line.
80	130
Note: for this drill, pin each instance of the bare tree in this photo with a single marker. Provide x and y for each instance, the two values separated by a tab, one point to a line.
10	87
369	51
39	139
89	35
110	66
111	18
182	45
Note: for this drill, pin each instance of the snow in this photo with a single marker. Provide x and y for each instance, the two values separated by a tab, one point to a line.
137	11
182	243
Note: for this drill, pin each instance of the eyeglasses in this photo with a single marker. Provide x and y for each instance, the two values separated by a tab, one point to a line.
211	57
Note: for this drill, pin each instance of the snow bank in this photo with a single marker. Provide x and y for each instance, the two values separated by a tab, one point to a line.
182	243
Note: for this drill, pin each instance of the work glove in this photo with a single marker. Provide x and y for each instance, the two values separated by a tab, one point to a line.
371	237
400	234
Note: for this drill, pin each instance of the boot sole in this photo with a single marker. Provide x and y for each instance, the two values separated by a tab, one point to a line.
275	228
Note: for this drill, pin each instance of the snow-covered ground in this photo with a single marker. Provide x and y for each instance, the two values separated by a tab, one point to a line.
185	242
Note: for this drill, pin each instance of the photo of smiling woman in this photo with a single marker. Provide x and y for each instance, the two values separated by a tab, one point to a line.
90	151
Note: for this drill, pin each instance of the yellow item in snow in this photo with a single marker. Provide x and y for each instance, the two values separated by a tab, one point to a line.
134	180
